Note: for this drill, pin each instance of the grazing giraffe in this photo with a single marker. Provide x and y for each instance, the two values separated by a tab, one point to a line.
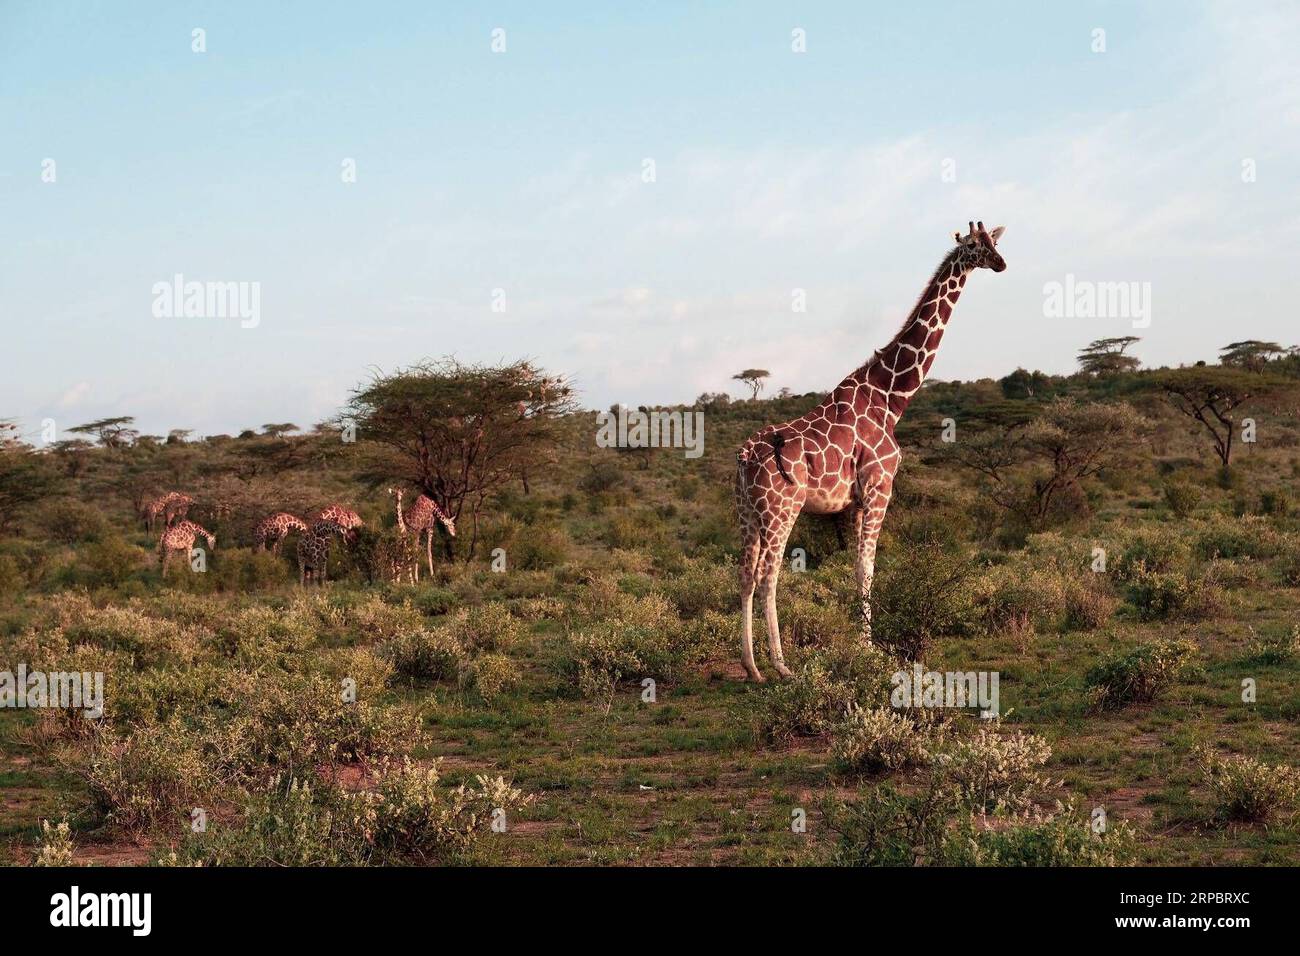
423	517
314	549
180	538
345	518
275	528
842	455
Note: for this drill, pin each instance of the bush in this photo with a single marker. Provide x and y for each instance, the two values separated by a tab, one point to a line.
408	815
1089	604
702	586
1182	498
55	847
540	548
71	521
1011	600
880	738
424	655
810	702
156	773
487	627
491	676
110	562
1063	838
1276	648
1247	790
1167	595
241	570
1139	675
377	620
921	591
992	771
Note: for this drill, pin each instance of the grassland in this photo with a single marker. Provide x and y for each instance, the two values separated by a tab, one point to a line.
619	566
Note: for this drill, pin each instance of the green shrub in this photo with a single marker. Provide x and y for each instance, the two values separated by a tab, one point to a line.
55	847
1182	498
110	562
540	548
424	655
1276	648
491	676
1063	838
1169	595
71	521
809	702
157	772
922	590
487	627
994	771
1139	675
1248	790
378	620
880	738
1089	603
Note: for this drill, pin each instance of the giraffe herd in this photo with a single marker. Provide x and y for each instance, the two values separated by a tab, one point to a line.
314	534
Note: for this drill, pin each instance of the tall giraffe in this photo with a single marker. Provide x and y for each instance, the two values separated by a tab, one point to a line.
179	538
842	456
423	517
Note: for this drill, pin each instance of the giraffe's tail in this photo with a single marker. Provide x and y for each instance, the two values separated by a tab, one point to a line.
778	442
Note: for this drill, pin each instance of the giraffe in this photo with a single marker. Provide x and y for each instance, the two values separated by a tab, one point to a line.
423	517
275	528
314	549
842	456
174	504
180	538
345	518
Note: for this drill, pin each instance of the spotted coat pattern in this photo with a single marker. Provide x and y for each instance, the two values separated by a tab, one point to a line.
179	539
842	455
273	529
314	549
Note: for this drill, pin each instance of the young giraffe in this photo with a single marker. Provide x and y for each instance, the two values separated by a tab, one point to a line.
400	554
423	517
180	538
314	550
842	456
275	528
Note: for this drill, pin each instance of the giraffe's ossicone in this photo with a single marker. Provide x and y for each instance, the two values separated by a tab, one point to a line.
842	456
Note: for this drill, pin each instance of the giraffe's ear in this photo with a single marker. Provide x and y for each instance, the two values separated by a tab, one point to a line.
996	233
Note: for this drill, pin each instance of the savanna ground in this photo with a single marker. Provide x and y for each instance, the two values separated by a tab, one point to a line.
1121	689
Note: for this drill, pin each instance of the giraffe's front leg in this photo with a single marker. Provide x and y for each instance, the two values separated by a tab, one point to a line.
868	521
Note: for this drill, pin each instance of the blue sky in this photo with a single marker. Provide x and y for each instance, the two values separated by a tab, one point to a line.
522	171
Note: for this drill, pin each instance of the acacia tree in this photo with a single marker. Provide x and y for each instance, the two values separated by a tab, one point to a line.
111	432
460	432
754	378
1030	462
1106	356
1210	395
26	477
1250	354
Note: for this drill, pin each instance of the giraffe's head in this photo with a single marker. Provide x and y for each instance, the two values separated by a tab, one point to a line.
978	249
448	522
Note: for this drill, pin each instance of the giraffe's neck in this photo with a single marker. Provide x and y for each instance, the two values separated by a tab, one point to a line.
895	372
401	521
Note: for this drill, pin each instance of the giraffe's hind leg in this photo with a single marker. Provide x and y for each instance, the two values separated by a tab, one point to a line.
769	572
749	554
